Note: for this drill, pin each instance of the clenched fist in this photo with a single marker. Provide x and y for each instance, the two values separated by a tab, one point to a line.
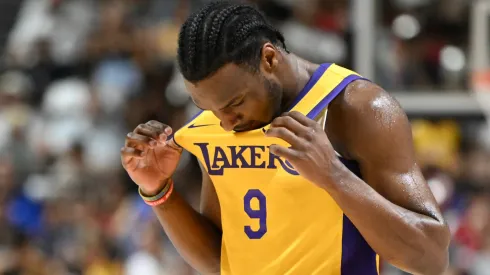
149	158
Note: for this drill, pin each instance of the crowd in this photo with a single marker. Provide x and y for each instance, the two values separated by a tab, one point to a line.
77	75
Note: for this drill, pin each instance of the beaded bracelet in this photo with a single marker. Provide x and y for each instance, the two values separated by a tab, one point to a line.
159	198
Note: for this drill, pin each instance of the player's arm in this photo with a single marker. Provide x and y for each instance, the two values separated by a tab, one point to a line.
395	211
196	236
392	207
150	158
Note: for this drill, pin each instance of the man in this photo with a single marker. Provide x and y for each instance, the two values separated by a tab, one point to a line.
286	193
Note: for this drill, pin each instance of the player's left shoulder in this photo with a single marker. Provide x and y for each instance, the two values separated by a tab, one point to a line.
365	110
362	97
363	101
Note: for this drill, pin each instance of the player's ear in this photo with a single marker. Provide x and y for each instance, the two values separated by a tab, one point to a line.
269	57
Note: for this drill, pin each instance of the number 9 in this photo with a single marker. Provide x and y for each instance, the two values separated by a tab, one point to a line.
260	213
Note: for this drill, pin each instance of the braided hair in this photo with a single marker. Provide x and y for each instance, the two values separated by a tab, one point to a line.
223	32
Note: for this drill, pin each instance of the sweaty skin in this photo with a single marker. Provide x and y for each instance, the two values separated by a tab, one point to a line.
392	206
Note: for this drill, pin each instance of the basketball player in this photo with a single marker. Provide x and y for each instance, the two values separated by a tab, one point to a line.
287	187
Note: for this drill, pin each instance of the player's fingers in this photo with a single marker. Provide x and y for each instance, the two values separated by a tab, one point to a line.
284	134
172	144
130	152
147	130
130	156
290	123
284	152
133	139
162	128
299	117
157	124
153	132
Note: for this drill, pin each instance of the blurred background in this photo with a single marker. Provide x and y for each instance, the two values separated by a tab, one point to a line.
77	75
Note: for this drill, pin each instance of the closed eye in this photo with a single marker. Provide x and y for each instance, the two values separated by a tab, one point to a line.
235	102
240	102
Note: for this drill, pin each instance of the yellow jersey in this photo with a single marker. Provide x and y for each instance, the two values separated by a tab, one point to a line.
274	221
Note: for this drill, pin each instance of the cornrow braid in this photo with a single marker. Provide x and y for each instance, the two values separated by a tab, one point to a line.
181	51
193	32
245	30
217	25
220	33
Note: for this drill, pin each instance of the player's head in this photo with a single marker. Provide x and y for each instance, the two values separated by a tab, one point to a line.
234	64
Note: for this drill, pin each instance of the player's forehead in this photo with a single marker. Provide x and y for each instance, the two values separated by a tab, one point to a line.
222	86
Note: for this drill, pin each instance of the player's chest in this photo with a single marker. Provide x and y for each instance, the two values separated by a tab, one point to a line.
231	159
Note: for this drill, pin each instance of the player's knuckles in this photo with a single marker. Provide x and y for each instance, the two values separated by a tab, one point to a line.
303	156
282	121
272	132
138	139
155	123
144	127
132	136
307	147
160	126
296	156
318	128
128	139
309	134
147	130
279	132
276	122
280	150
287	119
294	114
128	151
127	154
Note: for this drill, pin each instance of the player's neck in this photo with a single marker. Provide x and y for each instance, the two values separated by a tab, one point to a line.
303	71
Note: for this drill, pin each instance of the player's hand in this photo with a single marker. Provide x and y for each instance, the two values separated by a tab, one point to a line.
311	152
148	157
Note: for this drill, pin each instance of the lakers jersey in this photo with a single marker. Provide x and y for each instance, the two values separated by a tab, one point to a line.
274	221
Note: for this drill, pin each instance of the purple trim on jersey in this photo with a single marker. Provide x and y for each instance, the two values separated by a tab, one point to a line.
313	80
352	165
358	258
335	92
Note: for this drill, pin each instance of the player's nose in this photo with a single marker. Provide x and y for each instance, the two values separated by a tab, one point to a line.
229	125
229	121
